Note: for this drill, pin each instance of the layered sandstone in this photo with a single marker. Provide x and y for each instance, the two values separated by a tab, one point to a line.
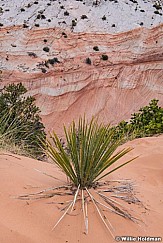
110	89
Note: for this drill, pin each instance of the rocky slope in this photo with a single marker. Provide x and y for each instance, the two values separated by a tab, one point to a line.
82	15
122	74
71	72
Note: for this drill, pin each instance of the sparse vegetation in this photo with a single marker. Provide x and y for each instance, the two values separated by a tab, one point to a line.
43	16
66	13
88	61
84	16
148	121
104	17
87	154
64	34
46	49
157	6
156	12
95	48
86	157
74	23
25	26
20	123
43	70
104	57
53	61
32	54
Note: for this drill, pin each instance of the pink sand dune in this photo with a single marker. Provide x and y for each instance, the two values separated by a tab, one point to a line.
23	221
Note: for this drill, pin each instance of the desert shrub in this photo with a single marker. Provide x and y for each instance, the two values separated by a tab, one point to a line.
20	120
66	13
104	57
95	48
88	61
64	34
43	70
104	17
147	121
84	16
53	61
157	6
25	26
74	23
32	54
8	133
46	49
156	12
43	16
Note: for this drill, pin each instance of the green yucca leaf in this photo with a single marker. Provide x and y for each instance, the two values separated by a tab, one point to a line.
60	158
90	150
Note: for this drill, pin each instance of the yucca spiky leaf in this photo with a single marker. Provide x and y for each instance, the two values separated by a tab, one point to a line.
89	151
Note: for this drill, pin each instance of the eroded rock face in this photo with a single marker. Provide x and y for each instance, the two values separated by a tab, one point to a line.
109	16
124	71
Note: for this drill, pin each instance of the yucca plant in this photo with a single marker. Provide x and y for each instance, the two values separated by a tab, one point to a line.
85	158
88	152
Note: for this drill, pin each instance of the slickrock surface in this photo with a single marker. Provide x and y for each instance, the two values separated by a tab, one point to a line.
82	15
24	221
124	71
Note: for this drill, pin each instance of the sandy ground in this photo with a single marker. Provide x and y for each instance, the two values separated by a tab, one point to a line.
32	221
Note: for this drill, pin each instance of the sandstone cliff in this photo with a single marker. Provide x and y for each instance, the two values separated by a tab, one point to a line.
124	71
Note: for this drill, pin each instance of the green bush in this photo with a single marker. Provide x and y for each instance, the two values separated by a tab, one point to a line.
88	61
104	57
147	121
20	120
96	48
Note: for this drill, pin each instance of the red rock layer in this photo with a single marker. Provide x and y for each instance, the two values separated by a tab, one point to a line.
110	89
